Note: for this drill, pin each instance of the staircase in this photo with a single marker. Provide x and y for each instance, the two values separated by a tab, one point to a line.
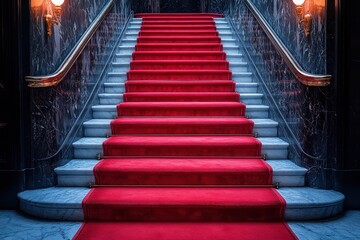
64	201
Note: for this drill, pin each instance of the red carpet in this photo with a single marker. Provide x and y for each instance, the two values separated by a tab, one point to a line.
182	162
185	231
178	125
181	97
178	64
178	47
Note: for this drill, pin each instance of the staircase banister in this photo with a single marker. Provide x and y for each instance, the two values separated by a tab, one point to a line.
56	77
306	78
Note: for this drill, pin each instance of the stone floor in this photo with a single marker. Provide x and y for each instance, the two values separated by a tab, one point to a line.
17	226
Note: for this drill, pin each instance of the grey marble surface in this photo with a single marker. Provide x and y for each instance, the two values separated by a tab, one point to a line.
299	110
344	227
309	51
17	226
57	112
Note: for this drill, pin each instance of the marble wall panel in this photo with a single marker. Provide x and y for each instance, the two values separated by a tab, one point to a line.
300	110
309	51
57	112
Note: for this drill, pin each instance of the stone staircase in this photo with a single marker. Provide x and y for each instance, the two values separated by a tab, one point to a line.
63	202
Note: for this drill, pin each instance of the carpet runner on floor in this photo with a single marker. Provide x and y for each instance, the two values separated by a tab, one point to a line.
182	162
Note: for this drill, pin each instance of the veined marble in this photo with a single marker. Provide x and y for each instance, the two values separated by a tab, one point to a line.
17	226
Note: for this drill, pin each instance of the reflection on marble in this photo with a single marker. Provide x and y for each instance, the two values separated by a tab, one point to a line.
59	203
58	112
300	110
18	226
304	203
344	227
64	203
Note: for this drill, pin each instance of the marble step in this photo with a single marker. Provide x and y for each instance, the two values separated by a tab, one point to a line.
231	57
101	128
222	33
229	42
130	49
121	67
219	20
79	173
220	28
240	87
91	148
109	111
220	23
115	98
65	203
225	42
239	77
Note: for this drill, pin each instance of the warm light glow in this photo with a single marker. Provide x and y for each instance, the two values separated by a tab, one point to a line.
320	3
298	2
57	2
36	3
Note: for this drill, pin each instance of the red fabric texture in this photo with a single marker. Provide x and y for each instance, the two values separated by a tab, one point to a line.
185	231
179	39
179	47
178	18
181	22
181	97
180	86
177	125
183	204
181	109
178	33
181	55
179	75
178	146
178	15
178	27
181	163
179	64
182	171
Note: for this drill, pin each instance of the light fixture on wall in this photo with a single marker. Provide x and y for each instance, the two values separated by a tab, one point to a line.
304	19
36	5
52	15
320	4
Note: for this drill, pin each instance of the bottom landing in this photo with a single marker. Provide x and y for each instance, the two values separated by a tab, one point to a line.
185	231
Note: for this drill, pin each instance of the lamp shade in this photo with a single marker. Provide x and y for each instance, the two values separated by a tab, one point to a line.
320	3
36	3
298	2
57	2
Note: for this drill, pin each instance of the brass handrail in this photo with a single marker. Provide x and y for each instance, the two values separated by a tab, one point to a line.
308	79
56	77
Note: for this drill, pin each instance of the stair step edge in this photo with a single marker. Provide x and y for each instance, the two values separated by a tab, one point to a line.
85	167
106	123
65	203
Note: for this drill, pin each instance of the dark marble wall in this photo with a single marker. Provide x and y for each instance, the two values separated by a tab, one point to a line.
47	53
300	110
57	112
309	51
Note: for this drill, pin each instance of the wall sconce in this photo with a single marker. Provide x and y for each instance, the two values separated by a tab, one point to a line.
320	4
52	15
36	5
306	19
